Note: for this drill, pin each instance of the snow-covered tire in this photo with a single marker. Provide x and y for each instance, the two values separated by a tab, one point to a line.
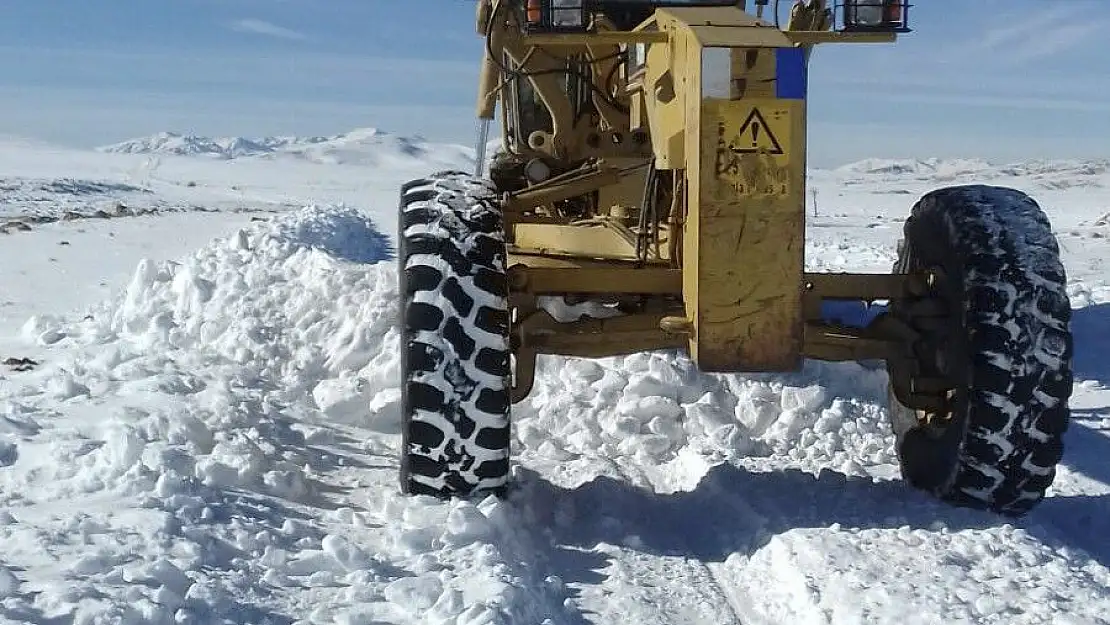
454	338
1005	346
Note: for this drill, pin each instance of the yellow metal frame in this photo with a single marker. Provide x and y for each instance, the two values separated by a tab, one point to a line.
723	274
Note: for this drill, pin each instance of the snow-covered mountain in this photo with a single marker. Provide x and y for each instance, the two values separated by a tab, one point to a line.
362	146
171	143
374	147
915	167
1049	174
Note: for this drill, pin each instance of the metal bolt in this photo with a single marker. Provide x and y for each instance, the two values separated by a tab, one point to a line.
676	325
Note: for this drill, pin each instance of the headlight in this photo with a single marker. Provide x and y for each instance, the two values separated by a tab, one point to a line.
567	14
862	14
555	15
876	15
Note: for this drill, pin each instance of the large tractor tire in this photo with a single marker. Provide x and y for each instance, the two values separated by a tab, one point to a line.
1002	340
454	338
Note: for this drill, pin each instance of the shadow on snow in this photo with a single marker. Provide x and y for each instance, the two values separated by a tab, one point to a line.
1091	327
736	511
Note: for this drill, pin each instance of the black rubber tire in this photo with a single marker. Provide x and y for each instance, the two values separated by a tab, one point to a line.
1008	349
454	338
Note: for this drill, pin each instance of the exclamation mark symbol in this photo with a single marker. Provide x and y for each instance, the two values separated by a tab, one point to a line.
755	134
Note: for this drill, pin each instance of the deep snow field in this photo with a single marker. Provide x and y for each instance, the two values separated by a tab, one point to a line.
209	433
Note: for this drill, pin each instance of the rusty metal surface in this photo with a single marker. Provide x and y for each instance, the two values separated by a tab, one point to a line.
863	286
595	338
844	344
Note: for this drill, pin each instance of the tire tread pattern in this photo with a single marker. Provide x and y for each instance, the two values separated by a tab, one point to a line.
1016	317
454	337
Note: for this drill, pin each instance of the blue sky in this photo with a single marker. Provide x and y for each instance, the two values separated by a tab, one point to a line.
996	79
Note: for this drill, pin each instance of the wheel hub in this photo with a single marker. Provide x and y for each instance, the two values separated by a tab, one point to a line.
925	380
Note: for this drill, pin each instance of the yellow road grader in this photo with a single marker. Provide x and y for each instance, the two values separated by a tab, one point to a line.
653	167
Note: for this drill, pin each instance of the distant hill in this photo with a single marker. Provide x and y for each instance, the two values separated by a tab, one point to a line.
363	146
1052	174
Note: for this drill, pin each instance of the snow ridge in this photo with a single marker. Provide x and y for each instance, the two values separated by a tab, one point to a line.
218	444
217	401
1046	174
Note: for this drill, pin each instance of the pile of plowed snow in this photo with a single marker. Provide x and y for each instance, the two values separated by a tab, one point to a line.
218	444
215	417
653	420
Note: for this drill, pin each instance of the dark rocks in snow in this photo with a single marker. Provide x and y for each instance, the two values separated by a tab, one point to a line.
20	364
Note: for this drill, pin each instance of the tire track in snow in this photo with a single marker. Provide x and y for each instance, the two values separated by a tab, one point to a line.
648	566
740	609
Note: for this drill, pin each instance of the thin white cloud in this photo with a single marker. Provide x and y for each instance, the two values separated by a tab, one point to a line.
269	29
1058	39
1021	27
1042	34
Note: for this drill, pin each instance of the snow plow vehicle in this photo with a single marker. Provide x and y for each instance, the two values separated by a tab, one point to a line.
653	169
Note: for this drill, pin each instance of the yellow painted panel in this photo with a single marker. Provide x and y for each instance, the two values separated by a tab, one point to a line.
750	219
749	37
753	73
754	147
689	55
726	26
587	242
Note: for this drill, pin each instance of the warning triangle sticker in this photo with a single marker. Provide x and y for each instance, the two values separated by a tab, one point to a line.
755	137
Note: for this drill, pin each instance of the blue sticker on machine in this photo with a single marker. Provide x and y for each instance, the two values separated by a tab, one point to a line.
790	74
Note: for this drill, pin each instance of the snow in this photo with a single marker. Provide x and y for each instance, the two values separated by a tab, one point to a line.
365	146
210	433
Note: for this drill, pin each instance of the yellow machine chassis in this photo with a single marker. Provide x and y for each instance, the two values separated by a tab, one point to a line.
722	275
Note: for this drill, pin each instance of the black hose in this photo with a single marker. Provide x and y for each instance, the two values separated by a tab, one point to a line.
649	212
514	74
